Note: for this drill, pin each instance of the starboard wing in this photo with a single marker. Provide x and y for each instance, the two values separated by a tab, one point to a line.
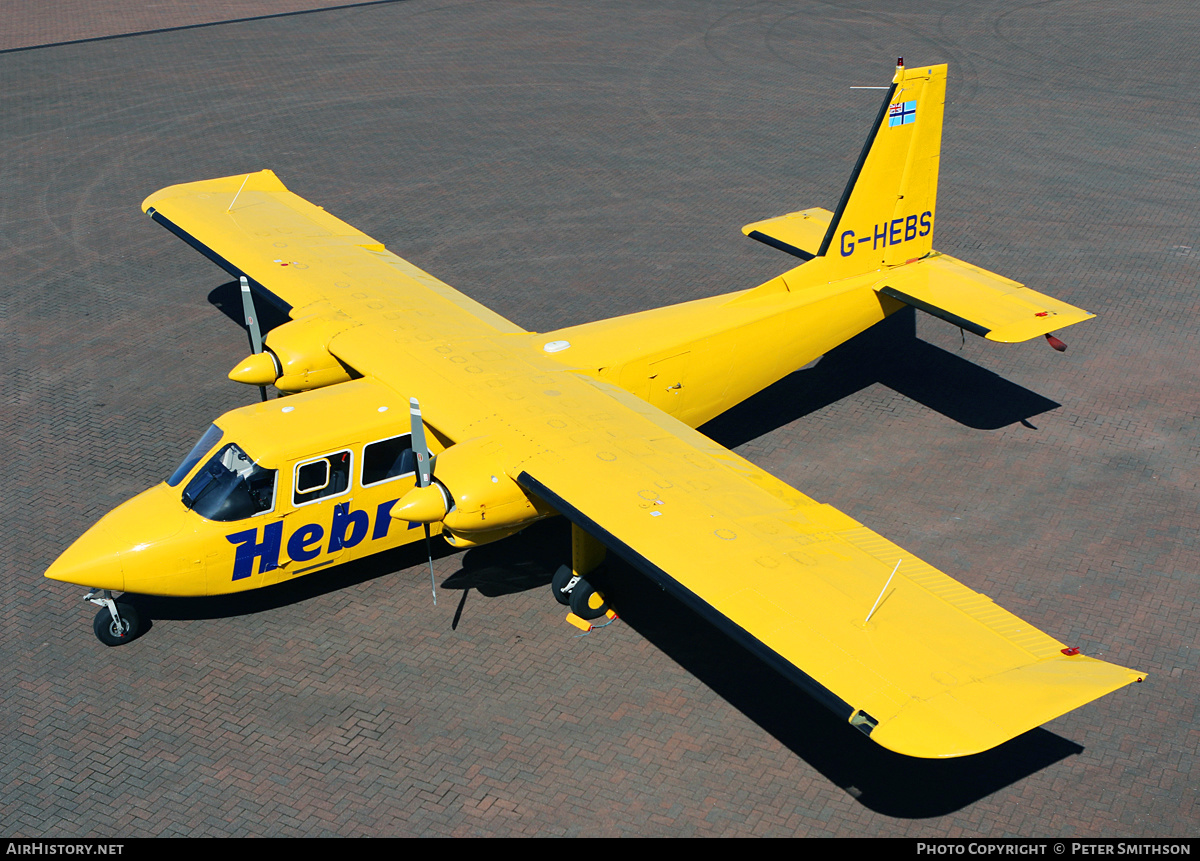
938	671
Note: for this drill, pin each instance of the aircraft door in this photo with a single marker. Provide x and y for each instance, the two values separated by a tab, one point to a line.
320	523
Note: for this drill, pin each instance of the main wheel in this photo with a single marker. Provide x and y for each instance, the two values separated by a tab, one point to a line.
112	634
559	583
586	602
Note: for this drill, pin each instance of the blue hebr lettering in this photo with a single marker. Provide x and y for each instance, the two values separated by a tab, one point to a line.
383	519
305	543
248	549
349	527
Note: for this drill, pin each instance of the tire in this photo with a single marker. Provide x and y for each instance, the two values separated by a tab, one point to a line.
586	602
558	584
107	631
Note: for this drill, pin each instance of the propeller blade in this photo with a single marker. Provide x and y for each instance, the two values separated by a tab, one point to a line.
424	477
429	551
419	446
256	339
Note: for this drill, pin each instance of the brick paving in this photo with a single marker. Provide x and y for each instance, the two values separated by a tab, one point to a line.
561	164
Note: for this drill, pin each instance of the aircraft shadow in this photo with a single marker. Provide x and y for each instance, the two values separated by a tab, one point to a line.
889	353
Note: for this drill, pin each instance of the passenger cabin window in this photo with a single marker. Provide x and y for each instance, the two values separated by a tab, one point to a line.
230	486
321	477
387	459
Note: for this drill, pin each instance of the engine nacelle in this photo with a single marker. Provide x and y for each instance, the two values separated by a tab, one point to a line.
473	498
483	497
297	356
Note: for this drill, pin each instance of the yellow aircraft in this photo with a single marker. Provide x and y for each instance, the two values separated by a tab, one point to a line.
413	409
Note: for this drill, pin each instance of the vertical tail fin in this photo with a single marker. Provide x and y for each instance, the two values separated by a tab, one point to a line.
886	213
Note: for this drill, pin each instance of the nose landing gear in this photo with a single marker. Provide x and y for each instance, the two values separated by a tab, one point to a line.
115	624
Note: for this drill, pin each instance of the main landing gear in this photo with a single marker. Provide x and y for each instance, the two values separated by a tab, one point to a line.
115	624
569	583
574	591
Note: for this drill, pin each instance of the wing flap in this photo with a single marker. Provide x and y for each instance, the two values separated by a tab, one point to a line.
979	301
797	233
795	580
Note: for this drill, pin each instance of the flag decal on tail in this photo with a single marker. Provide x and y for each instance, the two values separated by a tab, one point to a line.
902	113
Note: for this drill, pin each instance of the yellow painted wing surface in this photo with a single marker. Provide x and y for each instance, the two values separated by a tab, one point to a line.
252	225
939	671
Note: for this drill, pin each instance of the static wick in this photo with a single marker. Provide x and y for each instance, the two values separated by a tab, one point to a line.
881	591
868	88
239	191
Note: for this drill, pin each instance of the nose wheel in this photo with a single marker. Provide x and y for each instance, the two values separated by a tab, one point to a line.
115	624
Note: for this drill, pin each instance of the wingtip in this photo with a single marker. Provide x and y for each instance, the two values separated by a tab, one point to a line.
261	180
988	713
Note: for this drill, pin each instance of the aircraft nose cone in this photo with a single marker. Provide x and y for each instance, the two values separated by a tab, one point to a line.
104	554
94	560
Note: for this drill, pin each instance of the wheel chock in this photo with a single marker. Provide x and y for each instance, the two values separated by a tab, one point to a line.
582	624
586	626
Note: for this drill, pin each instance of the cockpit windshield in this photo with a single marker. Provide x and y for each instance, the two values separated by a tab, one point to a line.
211	437
230	486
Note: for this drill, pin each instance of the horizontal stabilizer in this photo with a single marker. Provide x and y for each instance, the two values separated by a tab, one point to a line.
797	233
979	301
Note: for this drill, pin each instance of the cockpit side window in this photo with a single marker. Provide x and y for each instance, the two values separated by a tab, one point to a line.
211	437
321	477
230	486
389	458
